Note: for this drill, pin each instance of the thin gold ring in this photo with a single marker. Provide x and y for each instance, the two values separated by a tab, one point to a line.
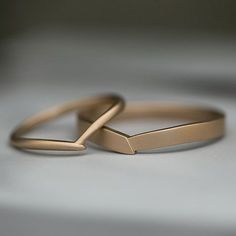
205	124
115	103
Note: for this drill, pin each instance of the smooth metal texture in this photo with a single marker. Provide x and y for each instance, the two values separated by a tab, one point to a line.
113	105
204	125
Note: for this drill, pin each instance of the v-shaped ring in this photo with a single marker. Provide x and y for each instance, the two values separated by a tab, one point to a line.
115	105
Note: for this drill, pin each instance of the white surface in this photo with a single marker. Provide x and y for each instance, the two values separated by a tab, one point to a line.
188	192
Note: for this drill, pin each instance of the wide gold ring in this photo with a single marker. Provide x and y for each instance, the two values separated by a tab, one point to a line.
203	124
114	103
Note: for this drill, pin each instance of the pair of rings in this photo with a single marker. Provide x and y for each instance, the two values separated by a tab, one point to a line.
94	113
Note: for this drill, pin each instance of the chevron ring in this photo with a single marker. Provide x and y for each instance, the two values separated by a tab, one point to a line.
203	125
114	104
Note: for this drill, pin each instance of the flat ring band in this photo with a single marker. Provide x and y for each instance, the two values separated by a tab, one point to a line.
115	105
205	124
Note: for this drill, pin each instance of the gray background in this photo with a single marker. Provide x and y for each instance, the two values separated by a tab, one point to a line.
52	52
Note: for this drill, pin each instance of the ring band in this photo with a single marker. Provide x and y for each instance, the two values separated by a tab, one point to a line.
116	105
205	124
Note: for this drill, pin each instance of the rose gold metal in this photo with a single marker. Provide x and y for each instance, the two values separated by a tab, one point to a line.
114	104
205	124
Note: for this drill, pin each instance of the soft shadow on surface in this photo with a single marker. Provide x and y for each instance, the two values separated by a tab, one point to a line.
15	221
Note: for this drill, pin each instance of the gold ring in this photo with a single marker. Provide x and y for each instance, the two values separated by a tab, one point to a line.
203	125
114	103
